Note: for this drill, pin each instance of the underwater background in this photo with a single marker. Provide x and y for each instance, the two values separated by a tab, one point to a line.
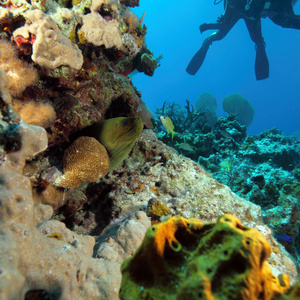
100	198
173	31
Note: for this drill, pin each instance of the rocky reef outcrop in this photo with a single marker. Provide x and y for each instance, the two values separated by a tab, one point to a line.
69	242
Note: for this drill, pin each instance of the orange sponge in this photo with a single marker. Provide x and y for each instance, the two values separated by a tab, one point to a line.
85	160
187	259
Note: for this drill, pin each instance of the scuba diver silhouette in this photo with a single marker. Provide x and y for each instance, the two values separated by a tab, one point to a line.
279	11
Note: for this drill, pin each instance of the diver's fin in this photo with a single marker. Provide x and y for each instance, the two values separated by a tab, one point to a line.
197	60
261	63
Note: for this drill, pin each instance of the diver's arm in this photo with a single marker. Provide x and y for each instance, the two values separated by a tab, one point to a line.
209	26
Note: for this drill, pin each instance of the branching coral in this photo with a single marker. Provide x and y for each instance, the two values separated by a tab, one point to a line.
85	160
20	74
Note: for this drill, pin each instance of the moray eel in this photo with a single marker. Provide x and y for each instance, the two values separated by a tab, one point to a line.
118	136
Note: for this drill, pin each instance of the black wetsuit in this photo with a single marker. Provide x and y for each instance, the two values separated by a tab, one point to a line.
279	11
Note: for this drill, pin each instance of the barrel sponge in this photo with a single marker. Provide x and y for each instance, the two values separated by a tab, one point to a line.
85	160
187	259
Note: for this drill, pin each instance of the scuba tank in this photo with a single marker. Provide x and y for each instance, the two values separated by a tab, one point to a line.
265	11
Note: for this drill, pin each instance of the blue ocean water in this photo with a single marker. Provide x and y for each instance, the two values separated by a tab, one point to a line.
173	31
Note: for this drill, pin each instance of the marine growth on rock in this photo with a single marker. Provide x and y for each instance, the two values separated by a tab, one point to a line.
187	259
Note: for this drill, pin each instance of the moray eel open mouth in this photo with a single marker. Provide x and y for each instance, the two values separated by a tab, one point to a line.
118	136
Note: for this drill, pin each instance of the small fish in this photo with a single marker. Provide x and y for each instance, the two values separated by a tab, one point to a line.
168	124
185	146
225	164
283	238
225	134
55	235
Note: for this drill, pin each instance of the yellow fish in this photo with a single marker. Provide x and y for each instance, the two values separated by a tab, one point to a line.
168	124
225	164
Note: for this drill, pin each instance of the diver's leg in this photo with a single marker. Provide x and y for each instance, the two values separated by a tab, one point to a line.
286	21
261	59
197	60
282	14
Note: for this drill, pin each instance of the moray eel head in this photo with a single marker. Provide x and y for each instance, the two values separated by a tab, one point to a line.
118	136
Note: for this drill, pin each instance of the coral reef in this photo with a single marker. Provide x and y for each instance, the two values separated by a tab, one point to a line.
64	269
68	265
63	265
262	168
189	119
83	83
186	259
68	82
156	180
